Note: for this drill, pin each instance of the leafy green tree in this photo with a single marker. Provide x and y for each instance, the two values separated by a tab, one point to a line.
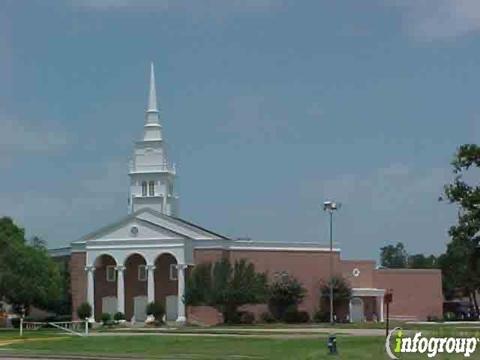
28	276
341	290
420	261
226	287
284	292
394	256
463	256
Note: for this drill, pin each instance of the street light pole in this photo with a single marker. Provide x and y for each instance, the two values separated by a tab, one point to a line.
331	206
331	267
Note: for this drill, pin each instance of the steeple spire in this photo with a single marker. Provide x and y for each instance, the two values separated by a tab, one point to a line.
152	96
153	129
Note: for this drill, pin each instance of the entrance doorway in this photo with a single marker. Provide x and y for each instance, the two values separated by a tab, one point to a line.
356	310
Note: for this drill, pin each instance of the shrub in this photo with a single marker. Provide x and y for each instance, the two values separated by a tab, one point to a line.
157	310
247	317
118	316
105	318
291	314
303	317
84	311
321	316
267	317
285	291
433	318
449	316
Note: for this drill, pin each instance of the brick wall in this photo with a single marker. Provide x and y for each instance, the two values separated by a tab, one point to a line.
416	293
78	281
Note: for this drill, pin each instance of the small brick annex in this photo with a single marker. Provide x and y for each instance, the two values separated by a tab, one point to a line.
417	293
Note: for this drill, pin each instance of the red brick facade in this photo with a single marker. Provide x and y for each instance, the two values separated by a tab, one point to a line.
417	293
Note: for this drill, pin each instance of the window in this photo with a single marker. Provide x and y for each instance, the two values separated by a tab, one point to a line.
173	272
111	273
144	188
151	188
142	273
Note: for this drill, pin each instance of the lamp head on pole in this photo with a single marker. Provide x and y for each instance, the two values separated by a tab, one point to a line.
331	206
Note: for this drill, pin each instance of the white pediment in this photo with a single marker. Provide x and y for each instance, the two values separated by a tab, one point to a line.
147	224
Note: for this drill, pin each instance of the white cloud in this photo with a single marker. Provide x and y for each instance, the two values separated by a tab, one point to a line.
428	20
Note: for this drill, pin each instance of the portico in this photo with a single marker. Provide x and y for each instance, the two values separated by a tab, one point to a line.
366	304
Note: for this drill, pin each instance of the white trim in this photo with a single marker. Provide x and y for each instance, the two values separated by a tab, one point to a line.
107	273
173	273
153	246
264	248
139	271
358	292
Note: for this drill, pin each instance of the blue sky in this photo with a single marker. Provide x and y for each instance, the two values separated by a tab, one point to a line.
269	108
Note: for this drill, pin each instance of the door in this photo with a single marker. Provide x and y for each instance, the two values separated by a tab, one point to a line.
109	305
140	308
171	310
356	310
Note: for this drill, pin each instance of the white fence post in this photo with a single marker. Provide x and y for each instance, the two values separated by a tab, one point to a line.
86	327
21	326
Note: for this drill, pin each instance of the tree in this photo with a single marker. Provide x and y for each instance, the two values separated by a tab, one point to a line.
38	242
284	292
463	257
420	261
341	290
226	287
27	274
393	257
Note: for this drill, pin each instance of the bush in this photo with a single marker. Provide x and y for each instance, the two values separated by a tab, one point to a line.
106	317
433	318
321	316
84	311
449	316
303	317
157	310
247	317
267	317
118	316
291	314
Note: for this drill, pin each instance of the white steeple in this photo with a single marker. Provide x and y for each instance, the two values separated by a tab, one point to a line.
153	128
152	95
152	178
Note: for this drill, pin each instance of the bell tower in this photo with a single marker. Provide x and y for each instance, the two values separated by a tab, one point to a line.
152	177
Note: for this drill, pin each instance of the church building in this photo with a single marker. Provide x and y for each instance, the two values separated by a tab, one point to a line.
147	255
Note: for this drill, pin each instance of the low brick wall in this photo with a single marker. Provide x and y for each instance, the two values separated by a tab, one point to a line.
204	316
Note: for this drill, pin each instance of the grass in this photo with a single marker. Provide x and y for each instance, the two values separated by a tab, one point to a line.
198	348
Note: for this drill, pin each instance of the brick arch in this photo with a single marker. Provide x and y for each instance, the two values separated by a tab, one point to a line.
163	285
102	287
133	286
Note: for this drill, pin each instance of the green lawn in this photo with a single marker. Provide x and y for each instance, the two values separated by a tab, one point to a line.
189	347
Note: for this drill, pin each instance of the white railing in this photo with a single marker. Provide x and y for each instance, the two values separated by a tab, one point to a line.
148	168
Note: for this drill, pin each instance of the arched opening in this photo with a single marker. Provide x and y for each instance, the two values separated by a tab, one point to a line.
135	287
105	289
166	284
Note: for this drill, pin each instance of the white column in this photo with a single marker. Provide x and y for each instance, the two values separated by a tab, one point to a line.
90	290
120	289
350	310
150	283
181	292
380	298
